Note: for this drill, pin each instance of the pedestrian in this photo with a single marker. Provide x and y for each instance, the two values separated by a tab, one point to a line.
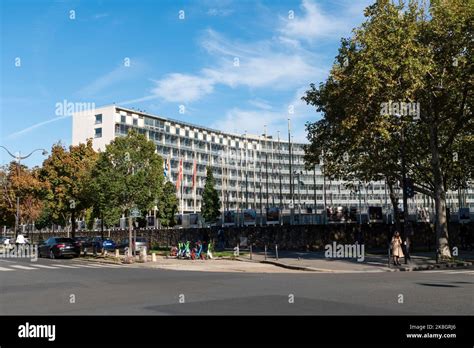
397	251
406	250
20	241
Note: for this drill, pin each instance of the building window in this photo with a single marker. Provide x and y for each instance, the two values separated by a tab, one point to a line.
167	129
177	131
98	133
135	121
98	119
123	119
187	133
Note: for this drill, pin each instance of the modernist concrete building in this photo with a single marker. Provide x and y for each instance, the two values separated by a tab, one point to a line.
251	171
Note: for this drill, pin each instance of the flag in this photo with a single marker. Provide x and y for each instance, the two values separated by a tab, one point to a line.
180	175
194	173
165	168
168	162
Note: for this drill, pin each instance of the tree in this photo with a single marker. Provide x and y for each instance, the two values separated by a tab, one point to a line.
67	175
128	175
168	205
19	181
210	199
400	54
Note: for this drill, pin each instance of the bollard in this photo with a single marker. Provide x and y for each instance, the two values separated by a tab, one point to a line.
153	257
250	251
276	251
117	253
265	252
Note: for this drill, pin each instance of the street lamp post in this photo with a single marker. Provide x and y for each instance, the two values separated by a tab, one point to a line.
297	174
18	159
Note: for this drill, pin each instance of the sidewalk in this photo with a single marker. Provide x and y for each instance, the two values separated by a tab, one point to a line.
289	261
316	261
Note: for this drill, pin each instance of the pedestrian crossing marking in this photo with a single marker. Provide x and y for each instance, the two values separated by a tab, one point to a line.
56	265
44	266
66	266
23	267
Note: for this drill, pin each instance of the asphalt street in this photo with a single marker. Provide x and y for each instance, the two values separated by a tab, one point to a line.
74	287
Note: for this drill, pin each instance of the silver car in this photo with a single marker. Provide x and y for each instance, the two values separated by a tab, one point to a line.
141	243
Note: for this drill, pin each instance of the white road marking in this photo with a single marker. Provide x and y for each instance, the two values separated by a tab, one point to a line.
86	266
44	266
3	269
450	272
23	267
66	266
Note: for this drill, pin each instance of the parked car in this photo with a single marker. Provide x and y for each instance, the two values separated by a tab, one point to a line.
138	246
107	244
56	247
85	243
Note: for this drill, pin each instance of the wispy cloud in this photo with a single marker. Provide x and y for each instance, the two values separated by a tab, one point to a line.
260	104
314	23
253	65
101	15
219	12
118	74
183	88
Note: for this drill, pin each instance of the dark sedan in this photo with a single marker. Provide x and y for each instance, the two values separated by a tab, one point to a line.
106	243
84	243
56	247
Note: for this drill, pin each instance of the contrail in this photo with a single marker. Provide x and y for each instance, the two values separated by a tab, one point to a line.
30	128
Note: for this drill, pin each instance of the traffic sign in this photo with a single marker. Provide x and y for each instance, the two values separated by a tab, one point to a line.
135	213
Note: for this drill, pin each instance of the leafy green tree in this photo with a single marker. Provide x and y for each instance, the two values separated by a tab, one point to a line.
404	52
168	205
128	175
210	199
67	176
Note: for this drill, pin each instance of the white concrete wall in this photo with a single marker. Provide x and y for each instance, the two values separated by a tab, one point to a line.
83	127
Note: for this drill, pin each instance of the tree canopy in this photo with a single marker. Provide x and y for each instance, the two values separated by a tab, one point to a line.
403	54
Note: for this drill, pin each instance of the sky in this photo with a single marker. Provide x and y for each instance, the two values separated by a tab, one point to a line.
233	65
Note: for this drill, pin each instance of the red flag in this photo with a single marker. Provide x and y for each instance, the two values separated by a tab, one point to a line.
194	173
180	175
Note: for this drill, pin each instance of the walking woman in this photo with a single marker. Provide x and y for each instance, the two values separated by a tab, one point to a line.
396	248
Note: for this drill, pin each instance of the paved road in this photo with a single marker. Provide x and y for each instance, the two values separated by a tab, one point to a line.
47	286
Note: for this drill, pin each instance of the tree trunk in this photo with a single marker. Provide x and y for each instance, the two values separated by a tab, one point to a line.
130	221
102	226
73	224
441	225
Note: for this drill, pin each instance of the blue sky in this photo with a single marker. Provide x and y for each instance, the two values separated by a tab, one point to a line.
234	65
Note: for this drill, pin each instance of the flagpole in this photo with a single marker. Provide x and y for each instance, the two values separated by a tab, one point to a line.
195	180
291	172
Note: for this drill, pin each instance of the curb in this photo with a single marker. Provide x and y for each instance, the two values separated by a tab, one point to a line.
296	268
461	265
100	261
